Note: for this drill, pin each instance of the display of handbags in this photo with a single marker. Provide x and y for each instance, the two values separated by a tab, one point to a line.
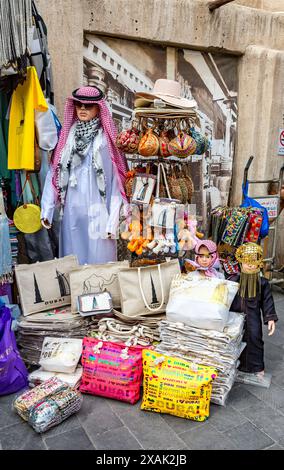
163	136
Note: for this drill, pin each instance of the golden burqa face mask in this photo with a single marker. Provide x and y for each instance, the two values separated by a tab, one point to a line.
250	258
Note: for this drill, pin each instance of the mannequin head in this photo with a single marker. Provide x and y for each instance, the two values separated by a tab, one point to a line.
86	111
206	254
250	258
204	258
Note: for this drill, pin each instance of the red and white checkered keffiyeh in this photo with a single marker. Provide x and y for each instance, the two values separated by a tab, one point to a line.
70	116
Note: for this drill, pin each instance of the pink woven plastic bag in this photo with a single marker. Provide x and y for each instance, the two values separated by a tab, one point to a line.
112	370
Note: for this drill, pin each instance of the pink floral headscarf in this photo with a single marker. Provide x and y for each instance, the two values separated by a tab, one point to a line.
70	116
210	271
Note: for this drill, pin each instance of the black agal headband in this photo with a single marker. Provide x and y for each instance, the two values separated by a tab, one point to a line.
88	98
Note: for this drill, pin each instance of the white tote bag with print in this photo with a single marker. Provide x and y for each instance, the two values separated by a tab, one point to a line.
201	302
145	291
45	285
94	278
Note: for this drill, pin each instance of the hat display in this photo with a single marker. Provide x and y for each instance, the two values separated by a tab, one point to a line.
167	90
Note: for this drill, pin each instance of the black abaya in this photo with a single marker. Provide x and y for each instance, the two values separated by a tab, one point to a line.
252	357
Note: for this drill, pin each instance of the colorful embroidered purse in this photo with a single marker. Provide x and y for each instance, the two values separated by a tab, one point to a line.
149	144
164	144
128	140
182	146
200	141
253	233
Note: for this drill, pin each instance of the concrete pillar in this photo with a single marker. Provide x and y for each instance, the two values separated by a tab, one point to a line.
64	20
261	106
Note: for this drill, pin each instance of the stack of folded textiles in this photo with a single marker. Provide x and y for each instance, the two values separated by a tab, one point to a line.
220	350
55	323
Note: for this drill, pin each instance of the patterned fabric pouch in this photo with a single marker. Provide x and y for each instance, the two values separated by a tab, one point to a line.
235	225
255	222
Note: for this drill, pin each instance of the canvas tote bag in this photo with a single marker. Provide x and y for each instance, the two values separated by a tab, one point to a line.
201	302
95	278
163	209
145	290
45	285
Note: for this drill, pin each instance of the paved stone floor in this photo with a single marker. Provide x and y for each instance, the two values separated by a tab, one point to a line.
253	418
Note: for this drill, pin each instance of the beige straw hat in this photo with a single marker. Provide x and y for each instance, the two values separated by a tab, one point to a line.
167	90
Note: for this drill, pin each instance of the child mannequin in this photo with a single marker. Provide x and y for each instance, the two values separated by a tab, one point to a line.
254	297
206	260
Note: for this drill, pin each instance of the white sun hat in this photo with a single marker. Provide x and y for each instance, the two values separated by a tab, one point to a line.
167	90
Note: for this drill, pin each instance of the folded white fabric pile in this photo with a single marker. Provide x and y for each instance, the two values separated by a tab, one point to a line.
55	323
207	347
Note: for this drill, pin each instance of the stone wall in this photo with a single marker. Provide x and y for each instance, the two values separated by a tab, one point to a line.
269	5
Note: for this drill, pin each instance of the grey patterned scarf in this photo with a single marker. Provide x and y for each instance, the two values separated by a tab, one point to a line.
80	138
84	134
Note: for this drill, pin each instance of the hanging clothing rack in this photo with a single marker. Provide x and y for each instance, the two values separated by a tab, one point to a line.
15	20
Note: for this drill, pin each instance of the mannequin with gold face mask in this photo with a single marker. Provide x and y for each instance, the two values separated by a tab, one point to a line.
255	299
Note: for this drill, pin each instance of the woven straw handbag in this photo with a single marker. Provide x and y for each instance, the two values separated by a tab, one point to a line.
189	184
174	185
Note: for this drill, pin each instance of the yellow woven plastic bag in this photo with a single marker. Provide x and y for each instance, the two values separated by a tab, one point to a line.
27	218
175	386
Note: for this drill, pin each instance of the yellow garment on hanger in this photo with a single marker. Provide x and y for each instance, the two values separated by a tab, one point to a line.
27	98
